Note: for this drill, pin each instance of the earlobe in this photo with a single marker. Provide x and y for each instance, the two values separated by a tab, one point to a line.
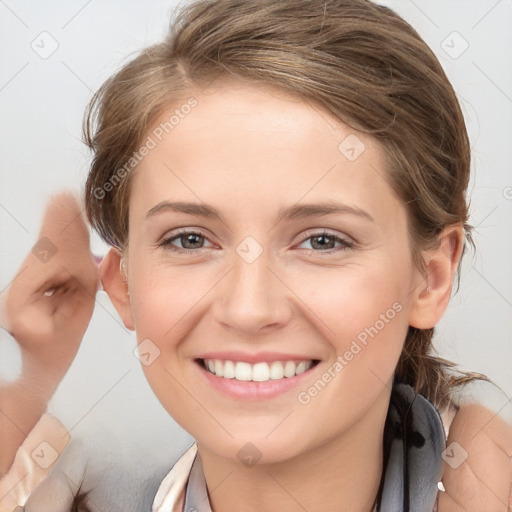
432	295
115	282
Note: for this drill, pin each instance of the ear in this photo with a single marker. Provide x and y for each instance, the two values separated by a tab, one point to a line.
115	283
433	293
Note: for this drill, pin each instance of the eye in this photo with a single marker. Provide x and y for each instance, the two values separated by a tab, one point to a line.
188	240
326	242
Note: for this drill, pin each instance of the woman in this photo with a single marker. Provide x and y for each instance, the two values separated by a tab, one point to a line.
299	115
316	154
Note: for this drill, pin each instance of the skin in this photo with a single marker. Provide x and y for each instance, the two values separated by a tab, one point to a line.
249	151
47	309
49	330
484	480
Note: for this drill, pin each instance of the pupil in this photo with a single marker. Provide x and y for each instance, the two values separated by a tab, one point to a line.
189	239
323	244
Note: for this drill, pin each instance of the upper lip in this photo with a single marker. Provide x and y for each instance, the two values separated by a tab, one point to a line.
260	357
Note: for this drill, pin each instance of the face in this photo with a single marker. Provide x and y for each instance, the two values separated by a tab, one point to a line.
269	273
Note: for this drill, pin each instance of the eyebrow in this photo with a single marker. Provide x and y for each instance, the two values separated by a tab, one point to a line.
292	212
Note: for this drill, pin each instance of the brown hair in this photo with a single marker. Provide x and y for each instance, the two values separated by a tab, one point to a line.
354	59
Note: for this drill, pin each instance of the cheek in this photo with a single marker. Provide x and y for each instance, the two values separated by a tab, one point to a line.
161	303
349	300
362	315
362	312
160	298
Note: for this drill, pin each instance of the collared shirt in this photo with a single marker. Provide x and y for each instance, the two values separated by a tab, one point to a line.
414	439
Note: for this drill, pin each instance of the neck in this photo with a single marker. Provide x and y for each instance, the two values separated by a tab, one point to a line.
341	474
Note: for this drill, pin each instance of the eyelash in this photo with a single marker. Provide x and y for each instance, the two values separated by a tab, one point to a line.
346	244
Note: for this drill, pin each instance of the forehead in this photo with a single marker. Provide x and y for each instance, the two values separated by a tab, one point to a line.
259	144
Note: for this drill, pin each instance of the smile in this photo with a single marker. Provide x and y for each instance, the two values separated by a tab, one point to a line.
258	372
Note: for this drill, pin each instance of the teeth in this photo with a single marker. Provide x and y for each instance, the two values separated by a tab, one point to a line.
229	370
219	368
301	368
276	370
243	371
289	369
259	372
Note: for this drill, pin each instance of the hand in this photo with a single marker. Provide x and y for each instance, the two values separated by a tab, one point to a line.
47	309
50	302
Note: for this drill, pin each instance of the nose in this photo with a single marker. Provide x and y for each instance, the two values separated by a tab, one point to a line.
253	298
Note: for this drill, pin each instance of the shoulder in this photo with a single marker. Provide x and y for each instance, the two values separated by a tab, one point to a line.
478	457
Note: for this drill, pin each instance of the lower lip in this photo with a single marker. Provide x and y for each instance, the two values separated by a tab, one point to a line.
251	390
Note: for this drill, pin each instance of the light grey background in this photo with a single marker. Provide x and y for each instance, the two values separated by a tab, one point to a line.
42	101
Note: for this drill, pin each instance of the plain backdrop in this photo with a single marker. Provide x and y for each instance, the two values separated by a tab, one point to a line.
42	100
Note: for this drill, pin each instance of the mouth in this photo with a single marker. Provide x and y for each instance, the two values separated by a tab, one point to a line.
257	372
